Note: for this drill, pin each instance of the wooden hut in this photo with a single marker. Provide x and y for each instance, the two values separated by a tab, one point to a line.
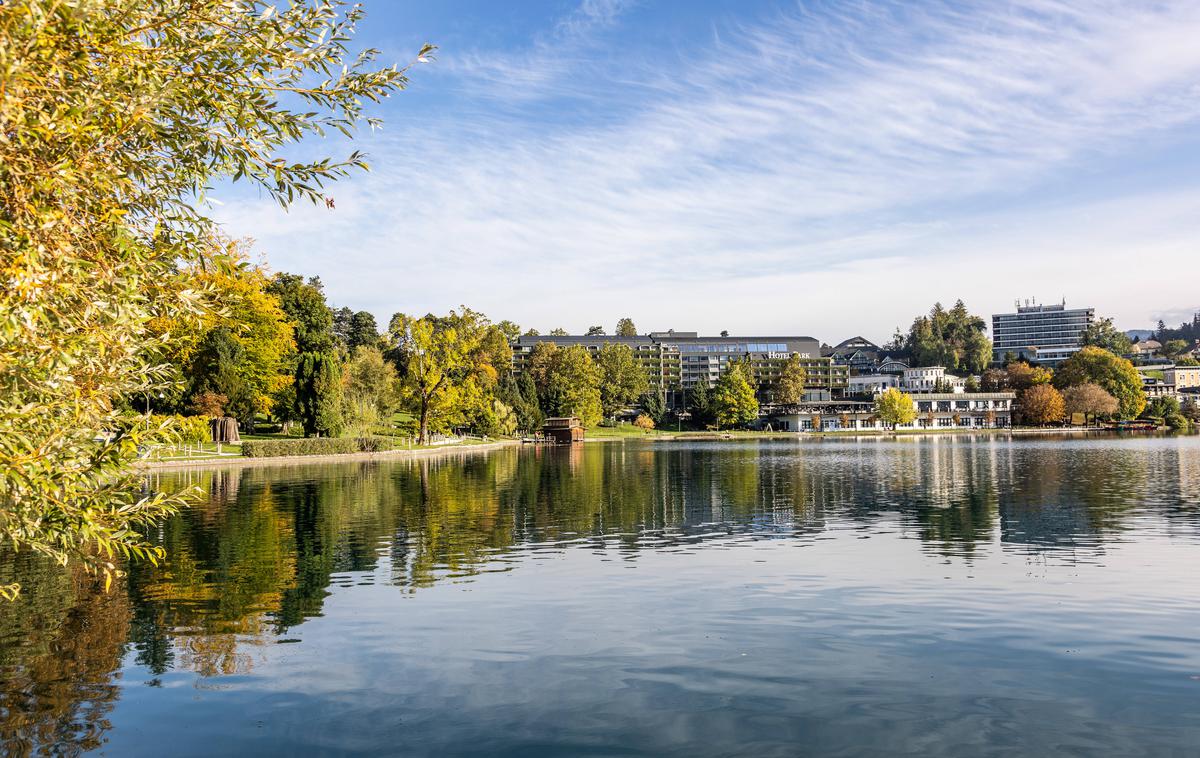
563	431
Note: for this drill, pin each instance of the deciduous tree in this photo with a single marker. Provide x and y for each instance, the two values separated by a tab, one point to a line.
1022	376
789	389
622	378
304	303
895	407
1041	404
574	386
437	364
371	391
625	328
116	117
1172	348
733	397
1090	400
216	369
1116	375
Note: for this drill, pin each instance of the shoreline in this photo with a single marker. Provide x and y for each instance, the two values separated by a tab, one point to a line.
742	435
283	460
392	455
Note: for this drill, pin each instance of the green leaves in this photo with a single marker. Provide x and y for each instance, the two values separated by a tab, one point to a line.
895	407
733	397
1116	375
115	117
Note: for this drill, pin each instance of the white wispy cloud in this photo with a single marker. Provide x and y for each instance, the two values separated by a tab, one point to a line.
544	67
824	170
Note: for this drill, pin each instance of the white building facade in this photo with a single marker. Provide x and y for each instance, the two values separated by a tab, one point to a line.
935	410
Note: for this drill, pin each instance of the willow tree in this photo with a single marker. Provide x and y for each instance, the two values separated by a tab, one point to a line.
115	117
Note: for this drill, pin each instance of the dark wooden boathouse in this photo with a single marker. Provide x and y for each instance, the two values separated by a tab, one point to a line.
563	431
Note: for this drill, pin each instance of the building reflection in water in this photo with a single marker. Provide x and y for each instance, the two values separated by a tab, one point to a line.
268	545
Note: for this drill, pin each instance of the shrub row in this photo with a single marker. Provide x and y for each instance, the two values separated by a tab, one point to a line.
314	446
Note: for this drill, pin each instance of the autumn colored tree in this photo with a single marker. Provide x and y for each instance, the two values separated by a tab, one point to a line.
209	404
994	380
644	422
1116	375
116	119
625	328
1022	376
1090	400
450	368
895	407
1041	404
259	333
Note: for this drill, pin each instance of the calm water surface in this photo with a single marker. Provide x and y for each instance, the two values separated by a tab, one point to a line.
932	596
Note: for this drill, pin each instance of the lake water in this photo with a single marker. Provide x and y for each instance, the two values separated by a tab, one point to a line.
922	596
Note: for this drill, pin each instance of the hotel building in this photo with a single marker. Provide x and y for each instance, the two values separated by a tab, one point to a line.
677	361
1046	334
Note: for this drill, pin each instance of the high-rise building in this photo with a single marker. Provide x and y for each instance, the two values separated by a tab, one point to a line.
1047	334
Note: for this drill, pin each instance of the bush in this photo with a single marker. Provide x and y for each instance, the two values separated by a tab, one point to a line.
391	431
1177	422
169	429
314	446
192	428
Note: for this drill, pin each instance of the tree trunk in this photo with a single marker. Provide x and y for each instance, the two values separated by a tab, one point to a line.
423	436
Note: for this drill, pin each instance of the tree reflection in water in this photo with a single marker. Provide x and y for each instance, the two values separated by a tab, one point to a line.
266	548
60	651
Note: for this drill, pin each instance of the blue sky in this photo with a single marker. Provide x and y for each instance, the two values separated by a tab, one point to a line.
765	167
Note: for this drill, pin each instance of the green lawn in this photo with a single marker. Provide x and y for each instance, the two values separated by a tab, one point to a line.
193	452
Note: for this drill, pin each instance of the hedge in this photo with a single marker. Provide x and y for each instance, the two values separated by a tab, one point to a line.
314	446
